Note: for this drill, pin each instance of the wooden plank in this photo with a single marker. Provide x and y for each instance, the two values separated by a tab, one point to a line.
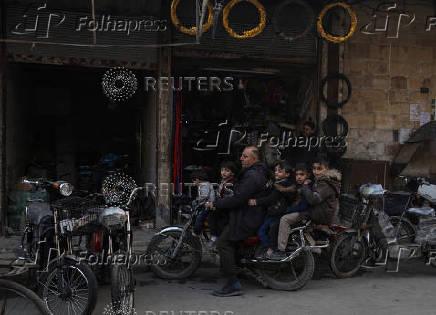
3	99
164	135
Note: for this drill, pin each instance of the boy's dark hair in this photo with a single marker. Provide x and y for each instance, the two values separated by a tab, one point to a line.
321	161
301	167
309	124
230	165
285	166
201	175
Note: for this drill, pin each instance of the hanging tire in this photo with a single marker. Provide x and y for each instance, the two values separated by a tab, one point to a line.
279	10
327	125
292	275
339	76
122	288
347	255
183	265
79	291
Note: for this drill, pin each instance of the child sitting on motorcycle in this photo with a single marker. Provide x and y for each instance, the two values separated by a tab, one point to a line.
322	197
296	212
281	194
218	219
206	193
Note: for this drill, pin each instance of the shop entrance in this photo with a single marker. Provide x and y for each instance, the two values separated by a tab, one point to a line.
264	103
61	126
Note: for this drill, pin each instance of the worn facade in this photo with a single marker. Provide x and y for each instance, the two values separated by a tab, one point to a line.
387	75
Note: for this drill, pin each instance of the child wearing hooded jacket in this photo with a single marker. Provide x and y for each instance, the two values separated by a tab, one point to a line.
324	195
322	198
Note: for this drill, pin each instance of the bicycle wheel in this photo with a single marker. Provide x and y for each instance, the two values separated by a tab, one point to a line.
16	299
70	288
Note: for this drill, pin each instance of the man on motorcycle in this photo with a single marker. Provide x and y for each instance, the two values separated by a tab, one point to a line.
244	221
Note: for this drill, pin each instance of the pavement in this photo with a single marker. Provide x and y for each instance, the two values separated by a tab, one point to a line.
374	292
410	291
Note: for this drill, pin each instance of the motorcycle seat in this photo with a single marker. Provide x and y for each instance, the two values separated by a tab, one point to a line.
251	240
324	228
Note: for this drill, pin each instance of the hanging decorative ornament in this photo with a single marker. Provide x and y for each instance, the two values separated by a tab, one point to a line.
249	33
190	30
116	188
119	84
329	37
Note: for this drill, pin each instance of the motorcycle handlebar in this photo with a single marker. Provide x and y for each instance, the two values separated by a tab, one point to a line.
42	183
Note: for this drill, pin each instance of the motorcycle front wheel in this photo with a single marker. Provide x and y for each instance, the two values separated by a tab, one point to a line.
347	255
292	275
182	266
69	288
122	289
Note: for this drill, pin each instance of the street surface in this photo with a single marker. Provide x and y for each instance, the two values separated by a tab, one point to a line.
411	291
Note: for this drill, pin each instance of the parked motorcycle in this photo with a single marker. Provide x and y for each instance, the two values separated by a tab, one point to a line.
111	241
66	285
183	252
374	236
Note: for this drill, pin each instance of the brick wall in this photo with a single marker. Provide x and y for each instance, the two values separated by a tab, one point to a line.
386	76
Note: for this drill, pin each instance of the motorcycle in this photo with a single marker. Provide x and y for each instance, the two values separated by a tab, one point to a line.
183	253
373	236
65	284
111	241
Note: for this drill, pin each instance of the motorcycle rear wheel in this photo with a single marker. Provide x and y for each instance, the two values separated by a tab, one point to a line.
406	233
183	265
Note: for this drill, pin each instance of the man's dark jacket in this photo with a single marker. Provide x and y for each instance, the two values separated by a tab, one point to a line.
244	220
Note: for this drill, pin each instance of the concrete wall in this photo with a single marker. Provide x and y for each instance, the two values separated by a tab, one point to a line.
386	76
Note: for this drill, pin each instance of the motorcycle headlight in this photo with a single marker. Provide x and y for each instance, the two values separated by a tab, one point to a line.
65	189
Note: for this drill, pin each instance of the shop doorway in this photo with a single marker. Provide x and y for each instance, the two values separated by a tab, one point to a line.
61	126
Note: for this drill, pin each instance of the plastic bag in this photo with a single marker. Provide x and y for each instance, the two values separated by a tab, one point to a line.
388	229
422	211
426	232
384	229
